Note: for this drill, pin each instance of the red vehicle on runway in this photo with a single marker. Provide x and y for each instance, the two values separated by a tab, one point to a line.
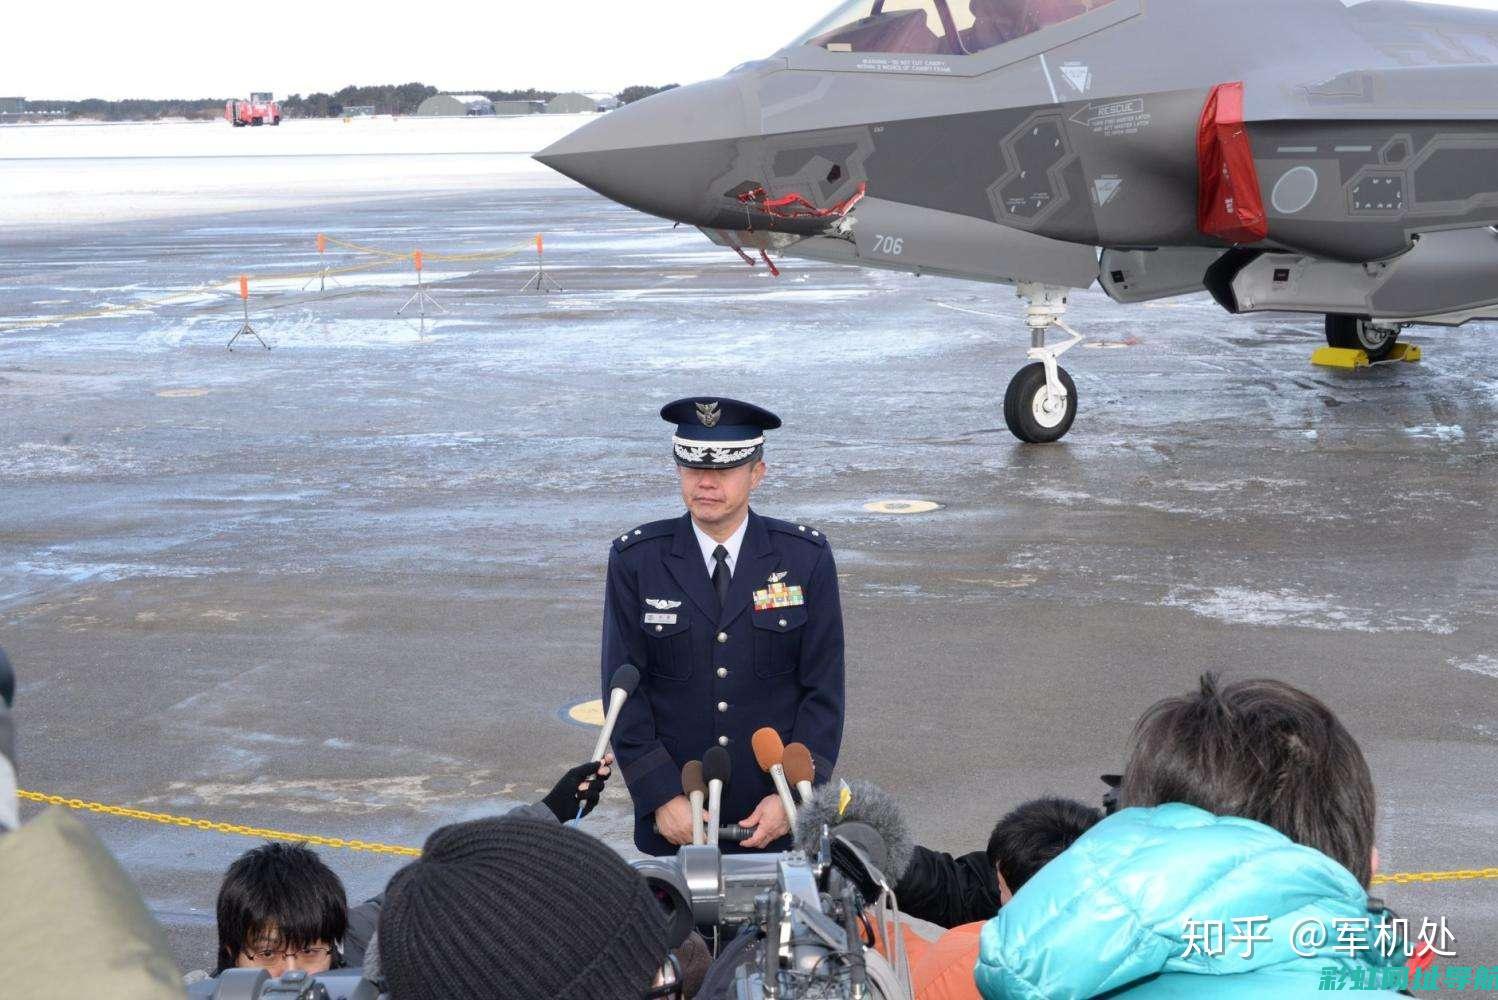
260	109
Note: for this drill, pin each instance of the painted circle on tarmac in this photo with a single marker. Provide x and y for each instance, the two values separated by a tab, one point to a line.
1295	190
181	393
901	506
587	713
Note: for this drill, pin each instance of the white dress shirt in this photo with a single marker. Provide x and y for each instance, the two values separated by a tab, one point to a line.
709	544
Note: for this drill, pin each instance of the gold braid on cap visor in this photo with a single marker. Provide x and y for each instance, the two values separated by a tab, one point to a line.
716	452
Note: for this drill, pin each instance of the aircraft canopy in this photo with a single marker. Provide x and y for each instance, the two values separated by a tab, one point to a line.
938	27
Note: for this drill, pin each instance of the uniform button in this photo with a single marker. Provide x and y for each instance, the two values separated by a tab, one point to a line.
623	538
722	741
782	623
637	531
722	706
800	527
722	637
659	627
816	534
722	671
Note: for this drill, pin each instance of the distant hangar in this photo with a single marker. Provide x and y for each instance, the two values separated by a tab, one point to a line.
456	106
581	104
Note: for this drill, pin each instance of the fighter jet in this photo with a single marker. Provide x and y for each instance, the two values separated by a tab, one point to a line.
1336	157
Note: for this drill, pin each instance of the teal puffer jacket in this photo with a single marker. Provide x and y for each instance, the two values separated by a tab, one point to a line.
1110	916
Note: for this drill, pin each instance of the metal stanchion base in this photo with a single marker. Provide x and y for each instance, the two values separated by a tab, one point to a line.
422	299
247	331
541	282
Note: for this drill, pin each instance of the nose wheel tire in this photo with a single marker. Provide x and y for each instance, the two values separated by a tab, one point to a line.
1377	340
1031	411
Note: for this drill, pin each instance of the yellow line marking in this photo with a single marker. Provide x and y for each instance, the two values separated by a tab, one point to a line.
901	506
589	713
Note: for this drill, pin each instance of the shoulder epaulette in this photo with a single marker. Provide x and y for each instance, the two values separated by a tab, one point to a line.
802	531
655	529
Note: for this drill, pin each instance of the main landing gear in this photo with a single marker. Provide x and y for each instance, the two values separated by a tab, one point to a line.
1375	339
1042	399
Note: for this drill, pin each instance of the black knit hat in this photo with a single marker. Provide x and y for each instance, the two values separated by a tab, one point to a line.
519	909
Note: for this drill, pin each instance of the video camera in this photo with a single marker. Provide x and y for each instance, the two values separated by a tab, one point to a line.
257	984
787	926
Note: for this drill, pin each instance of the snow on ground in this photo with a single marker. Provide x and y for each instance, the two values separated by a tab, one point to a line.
69	174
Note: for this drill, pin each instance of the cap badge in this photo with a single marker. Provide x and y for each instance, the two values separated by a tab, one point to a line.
709	414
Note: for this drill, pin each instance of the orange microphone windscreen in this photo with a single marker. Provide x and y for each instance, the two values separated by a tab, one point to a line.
768	747
691	778
798	764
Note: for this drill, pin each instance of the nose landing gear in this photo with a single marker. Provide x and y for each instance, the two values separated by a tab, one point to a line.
1041	402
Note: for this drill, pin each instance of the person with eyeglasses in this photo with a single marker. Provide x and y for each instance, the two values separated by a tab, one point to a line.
281	909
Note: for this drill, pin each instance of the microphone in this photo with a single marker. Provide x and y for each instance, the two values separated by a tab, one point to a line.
696	790
870	820
621	686
800	769
716	767
769	751
735	834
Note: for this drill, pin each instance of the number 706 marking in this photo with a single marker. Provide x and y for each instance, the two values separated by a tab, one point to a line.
892	245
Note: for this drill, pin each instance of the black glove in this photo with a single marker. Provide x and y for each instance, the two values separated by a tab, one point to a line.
564	799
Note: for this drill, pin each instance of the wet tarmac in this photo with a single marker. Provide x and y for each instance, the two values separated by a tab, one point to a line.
349	586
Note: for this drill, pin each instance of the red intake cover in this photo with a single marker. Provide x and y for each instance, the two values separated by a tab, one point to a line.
1228	203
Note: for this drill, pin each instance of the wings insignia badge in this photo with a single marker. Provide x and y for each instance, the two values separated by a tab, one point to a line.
777	577
662	605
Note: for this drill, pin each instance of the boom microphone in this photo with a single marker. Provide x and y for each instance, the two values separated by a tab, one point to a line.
870	821
769	751
621	686
716	768
696	791
800	769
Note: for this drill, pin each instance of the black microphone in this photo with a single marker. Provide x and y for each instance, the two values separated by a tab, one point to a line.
621	686
717	766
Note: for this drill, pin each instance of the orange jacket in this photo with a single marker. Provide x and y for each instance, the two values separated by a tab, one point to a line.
945	971
941	961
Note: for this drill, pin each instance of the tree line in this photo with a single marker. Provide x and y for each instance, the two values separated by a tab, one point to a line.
386	99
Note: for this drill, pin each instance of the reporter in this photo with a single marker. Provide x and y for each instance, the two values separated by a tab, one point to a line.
575	795
1246	801
522	909
281	909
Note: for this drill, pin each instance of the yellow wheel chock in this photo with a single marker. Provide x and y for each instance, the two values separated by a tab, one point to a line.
1351	358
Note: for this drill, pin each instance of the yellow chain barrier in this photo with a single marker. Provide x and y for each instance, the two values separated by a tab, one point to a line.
1410	878
207	825
383	258
123	812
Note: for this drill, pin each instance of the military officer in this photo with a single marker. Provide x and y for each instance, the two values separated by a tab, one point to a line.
734	622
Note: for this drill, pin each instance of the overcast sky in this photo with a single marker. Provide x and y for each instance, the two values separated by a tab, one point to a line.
187	48
176	48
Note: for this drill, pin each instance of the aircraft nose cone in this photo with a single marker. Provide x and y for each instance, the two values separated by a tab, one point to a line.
661	155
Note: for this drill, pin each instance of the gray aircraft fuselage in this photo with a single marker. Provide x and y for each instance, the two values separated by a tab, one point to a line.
1084	133
1367	142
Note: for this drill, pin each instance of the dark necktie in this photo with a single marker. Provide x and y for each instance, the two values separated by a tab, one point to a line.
721	575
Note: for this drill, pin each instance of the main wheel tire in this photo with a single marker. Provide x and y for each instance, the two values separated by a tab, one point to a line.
1358	333
1028	409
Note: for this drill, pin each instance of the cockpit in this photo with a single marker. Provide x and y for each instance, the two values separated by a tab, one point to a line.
938	27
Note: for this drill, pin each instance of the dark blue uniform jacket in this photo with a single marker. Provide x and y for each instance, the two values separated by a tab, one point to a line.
711	678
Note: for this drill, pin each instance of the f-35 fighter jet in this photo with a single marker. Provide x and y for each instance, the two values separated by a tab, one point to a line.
1337	157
